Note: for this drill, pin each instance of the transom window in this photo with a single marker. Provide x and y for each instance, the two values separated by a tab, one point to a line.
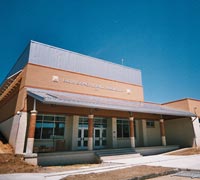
83	122
122	128
150	124
100	122
50	126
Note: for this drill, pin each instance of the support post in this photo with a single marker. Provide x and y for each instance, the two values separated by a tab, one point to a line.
31	132
90	131
132	138
162	132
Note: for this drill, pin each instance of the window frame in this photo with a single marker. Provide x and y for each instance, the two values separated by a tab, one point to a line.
150	124
53	119
123	123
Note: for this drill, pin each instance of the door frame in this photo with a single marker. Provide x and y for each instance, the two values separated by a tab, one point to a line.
100	138
82	139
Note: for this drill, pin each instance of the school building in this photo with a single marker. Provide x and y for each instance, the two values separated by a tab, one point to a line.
57	101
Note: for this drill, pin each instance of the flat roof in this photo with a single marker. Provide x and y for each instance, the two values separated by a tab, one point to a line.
89	101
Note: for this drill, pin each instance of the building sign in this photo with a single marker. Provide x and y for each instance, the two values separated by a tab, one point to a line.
91	85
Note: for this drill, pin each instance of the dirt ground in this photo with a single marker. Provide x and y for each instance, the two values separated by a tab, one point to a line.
10	163
124	174
187	151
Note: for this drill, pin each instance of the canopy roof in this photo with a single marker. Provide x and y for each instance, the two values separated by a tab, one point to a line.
89	101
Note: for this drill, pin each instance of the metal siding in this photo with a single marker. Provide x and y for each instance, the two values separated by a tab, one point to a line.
66	60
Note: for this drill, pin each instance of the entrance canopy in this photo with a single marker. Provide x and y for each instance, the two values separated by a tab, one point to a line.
88	101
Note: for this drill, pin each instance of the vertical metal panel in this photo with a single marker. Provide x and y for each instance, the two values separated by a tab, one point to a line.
62	59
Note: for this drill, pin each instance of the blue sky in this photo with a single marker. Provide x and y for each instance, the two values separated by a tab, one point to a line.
160	37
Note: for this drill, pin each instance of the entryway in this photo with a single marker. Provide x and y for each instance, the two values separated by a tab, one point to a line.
82	138
99	138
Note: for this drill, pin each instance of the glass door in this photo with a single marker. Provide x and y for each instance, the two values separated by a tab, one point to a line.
82	138
99	138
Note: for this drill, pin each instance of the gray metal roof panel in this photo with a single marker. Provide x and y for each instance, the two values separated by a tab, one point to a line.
50	56
79	100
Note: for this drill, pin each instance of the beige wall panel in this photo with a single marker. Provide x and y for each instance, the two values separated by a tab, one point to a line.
21	133
68	132
75	121
179	132
123	143
182	104
153	135
139	136
41	77
194	106
109	133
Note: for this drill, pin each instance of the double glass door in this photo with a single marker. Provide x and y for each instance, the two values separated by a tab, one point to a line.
82	138
99	134
99	138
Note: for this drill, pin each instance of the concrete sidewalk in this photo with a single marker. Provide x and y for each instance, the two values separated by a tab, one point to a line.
185	162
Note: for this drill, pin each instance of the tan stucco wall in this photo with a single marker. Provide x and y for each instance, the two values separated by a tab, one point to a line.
179	132
41	77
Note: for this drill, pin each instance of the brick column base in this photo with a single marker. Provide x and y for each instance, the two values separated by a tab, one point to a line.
31	132
162	132
90	132
132	138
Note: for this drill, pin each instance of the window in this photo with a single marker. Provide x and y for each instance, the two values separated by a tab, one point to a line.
49	127
122	128
83	122
150	124
100	122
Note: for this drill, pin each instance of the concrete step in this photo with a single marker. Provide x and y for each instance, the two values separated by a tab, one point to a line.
110	154
115	157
